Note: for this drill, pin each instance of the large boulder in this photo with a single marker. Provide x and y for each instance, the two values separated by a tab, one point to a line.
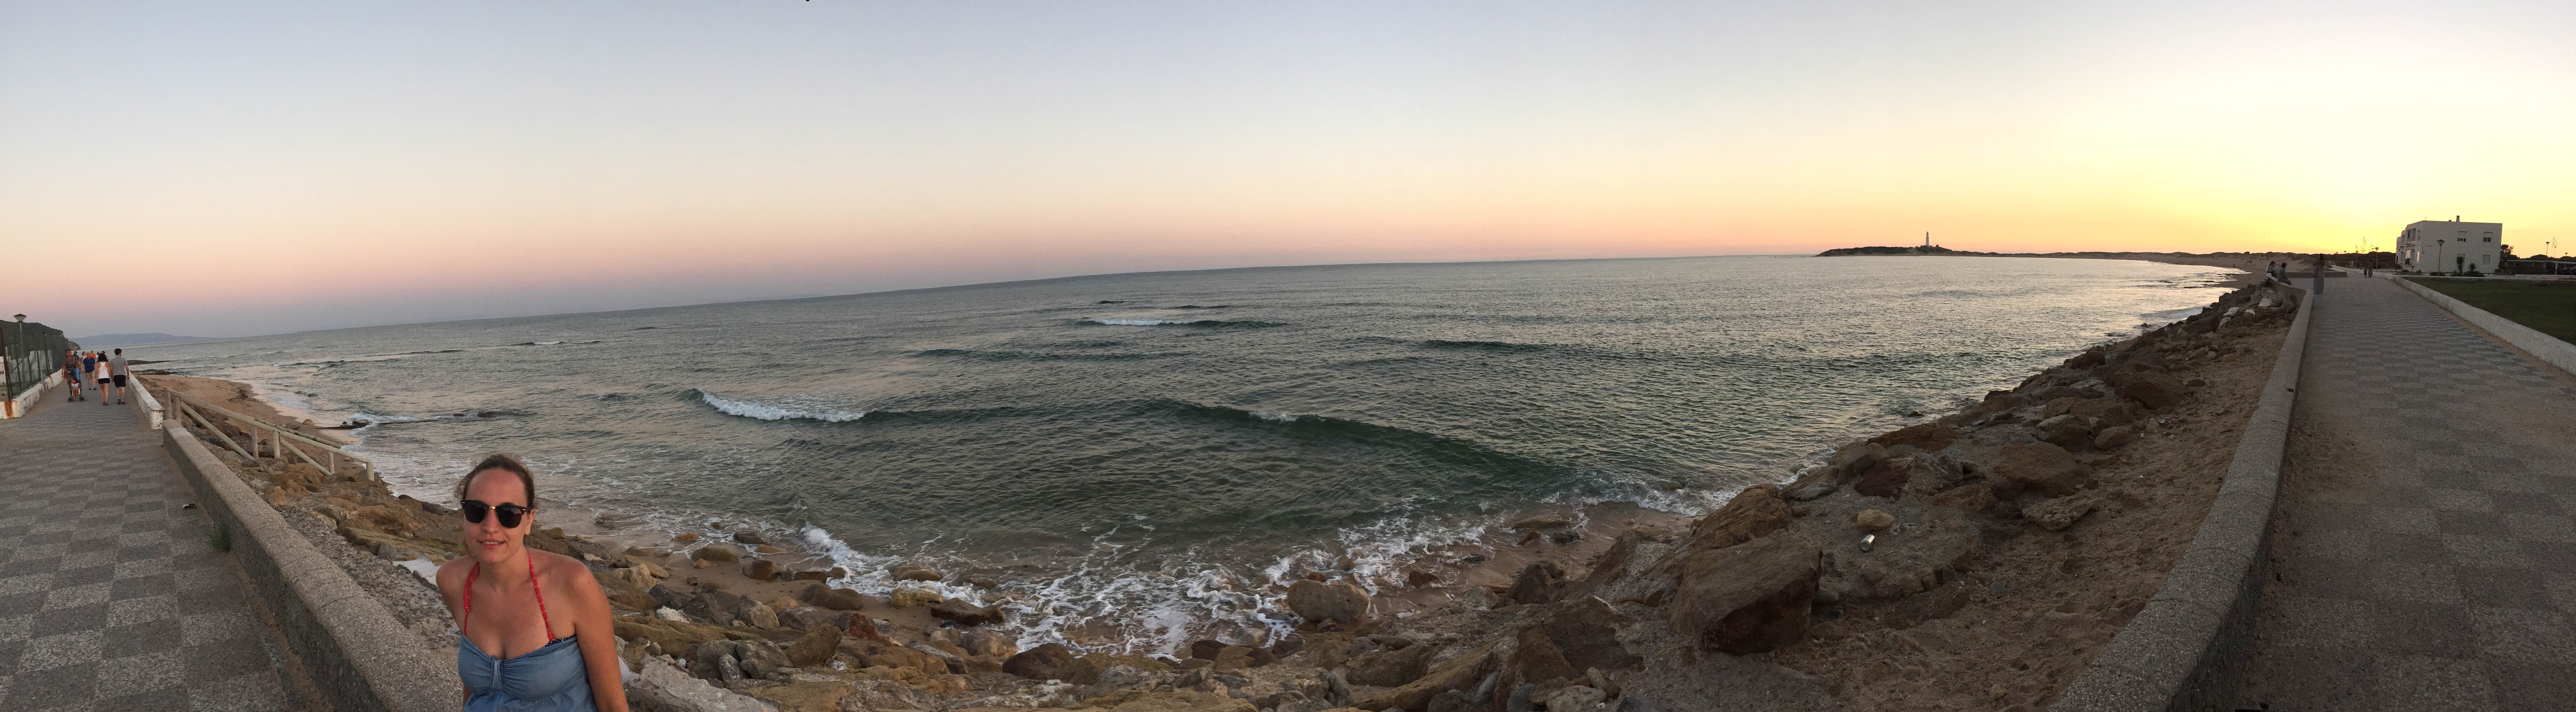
724	607
875	653
1458	673
1538	582
719	553
815	647
2069	431
838	599
1391	668
909	571
2153	390
1320	601
1748	598
1857	458
1757	511
1586	632
2041	467
659	686
964	613
1051	662
1928	437
810	617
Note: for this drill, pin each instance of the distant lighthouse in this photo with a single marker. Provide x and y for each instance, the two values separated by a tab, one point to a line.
1927	239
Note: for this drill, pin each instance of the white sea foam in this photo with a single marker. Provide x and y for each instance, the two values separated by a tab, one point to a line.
1274	417
749	409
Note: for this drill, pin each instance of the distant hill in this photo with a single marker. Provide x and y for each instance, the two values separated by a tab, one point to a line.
103	341
1913	250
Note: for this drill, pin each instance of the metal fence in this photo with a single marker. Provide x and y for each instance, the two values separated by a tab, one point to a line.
32	353
2540	266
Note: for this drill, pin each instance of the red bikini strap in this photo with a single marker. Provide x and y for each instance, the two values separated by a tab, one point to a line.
541	600
465	625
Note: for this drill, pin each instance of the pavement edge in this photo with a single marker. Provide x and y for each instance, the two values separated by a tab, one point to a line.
2186	650
351	646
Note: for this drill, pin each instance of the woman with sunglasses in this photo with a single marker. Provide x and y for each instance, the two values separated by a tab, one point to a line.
533	626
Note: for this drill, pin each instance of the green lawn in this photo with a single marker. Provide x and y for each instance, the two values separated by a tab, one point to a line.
2548	307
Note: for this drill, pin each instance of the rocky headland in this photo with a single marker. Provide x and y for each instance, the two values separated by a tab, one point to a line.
1973	561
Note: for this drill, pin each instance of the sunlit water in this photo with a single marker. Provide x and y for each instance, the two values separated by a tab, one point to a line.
1139	455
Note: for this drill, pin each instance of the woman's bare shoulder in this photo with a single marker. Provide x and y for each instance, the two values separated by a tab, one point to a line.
565	571
452	573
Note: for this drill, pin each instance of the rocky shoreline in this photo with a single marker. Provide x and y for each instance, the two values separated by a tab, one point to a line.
1974	561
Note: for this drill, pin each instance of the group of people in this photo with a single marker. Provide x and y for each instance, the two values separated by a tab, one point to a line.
107	370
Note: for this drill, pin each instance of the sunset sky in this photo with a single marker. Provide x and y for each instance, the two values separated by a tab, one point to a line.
268	167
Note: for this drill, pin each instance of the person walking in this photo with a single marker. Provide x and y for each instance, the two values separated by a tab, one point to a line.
89	366
116	370
101	375
71	374
2319	264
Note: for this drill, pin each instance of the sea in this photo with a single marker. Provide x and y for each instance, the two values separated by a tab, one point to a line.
1134	461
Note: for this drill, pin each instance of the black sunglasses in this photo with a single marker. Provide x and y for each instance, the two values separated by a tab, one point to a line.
510	513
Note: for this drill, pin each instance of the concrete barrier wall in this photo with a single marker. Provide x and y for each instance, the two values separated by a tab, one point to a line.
19	406
2187	648
2547	348
350	645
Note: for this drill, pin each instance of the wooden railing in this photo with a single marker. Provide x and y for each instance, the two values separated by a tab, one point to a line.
266	437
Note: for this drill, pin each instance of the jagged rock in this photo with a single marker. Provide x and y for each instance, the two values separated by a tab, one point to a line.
874	653
1417	578
1237	657
815	647
839	599
1320	601
1812	491
722	607
2154	390
659	687
1747	598
2042	466
2069	431
908	571
1051	662
1612	565
670	635
810	617
1205	649
760	615
1929	437
1586	631
761	570
2059	513
1537	659
1574	697
1390	668
1458	672
1857	458
987	643
1871	520
685	537
1537	583
909	597
2115	436
954	664
1455	701
1757	511
749	537
719	553
964	613
1543	521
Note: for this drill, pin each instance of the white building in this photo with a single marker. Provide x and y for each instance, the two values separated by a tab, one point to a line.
2450	246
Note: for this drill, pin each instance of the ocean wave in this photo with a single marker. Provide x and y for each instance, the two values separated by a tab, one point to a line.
761	411
1211	306
979	355
1501	346
1215	323
537	343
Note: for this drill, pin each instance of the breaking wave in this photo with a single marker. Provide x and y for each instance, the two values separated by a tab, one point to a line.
761	411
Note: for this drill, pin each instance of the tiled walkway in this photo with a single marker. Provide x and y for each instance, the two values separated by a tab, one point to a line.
112	597
2424	555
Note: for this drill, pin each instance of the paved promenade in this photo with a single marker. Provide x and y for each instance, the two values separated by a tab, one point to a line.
112	597
2424	556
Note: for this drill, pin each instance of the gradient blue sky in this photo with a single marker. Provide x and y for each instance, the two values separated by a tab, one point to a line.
346	164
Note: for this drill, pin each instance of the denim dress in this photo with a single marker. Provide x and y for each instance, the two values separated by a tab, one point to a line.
549	679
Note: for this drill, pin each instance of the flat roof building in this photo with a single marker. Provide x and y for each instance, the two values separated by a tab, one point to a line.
2450	246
